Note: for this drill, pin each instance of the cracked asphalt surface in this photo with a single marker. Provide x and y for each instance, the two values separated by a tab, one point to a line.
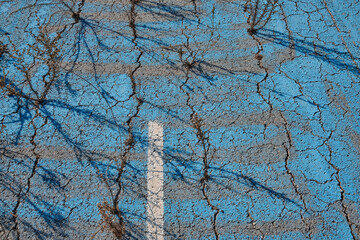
261	127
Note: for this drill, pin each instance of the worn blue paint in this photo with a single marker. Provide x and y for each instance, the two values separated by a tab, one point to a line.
317	93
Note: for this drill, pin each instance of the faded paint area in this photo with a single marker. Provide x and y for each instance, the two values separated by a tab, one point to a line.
260	128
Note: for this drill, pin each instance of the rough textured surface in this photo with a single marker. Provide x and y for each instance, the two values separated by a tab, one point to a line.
261	127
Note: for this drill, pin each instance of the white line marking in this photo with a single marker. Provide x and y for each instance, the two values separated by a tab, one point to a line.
155	183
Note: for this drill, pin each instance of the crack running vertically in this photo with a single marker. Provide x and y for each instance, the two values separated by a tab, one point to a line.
291	174
196	12
21	195
259	58
202	139
119	229
342	190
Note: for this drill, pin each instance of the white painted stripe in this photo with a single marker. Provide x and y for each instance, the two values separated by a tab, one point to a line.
155	183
